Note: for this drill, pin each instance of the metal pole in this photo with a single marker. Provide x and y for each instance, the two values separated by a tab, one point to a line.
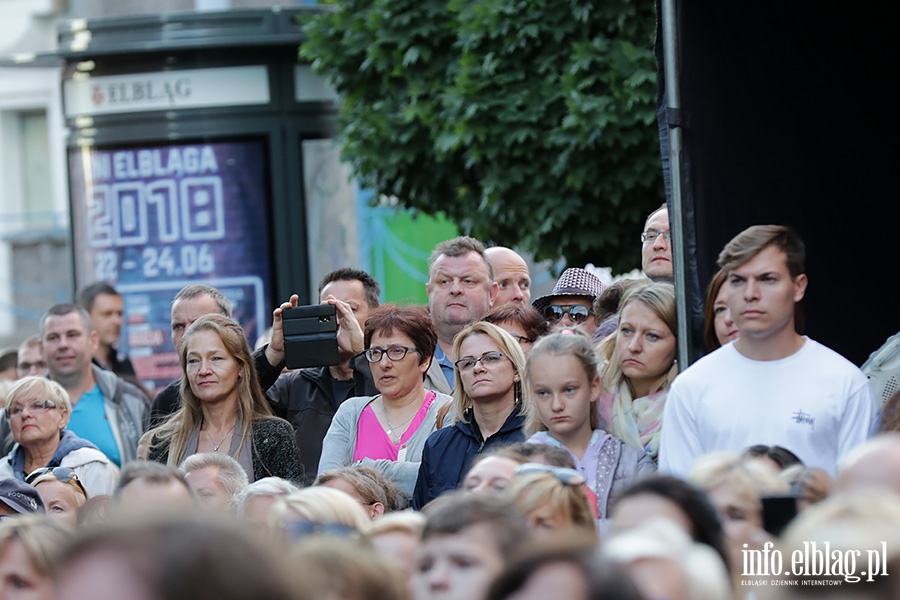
671	64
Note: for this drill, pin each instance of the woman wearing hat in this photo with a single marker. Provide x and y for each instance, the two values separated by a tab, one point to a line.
571	302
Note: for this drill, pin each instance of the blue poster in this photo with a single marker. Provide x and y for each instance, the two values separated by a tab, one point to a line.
152	220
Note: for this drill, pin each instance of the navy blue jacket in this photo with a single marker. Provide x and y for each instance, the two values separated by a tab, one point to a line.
449	452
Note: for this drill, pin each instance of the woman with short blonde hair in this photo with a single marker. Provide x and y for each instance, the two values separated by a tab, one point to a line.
39	540
553	499
38	411
318	510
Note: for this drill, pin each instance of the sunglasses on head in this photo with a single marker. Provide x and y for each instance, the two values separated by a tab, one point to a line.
300	529
576	312
61	474
564	475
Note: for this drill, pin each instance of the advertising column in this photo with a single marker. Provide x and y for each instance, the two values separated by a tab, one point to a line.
153	218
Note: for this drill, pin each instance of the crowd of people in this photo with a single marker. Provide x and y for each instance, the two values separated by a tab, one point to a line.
485	446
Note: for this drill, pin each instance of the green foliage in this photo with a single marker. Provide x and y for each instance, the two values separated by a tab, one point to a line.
529	123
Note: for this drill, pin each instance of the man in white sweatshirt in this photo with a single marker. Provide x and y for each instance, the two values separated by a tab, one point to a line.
772	385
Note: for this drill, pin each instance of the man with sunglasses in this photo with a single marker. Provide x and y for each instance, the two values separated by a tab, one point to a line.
570	304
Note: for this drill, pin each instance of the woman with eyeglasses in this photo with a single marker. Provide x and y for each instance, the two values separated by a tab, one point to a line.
388	431
61	491
38	411
563	385
223	408
638	365
486	410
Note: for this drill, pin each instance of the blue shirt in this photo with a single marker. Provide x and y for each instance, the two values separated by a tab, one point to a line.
446	366
89	421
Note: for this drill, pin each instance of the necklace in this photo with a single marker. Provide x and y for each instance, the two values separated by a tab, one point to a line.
391	428
215	445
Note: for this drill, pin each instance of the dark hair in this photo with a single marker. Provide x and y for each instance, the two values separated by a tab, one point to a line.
607	303
890	413
63	309
603	578
554	456
693	502
453	512
89	293
226	307
709	315
709	309
780	456
412	321
370	285
459	246
9	359
757	238
525	316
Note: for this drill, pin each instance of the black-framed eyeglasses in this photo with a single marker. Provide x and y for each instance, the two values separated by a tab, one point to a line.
488	360
565	476
521	338
61	474
650	236
373	355
34	406
577	313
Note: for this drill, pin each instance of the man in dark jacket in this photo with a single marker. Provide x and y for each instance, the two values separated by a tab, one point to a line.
310	397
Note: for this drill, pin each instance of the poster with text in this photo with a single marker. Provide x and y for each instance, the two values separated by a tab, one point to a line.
152	220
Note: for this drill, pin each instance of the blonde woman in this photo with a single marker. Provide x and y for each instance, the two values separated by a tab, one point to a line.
553	500
318	510
638	366
28	548
486	410
38	410
223	408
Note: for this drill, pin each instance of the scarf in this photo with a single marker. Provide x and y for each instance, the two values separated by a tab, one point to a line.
637	422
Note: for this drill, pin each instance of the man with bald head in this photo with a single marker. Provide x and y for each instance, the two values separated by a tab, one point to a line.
873	464
511	275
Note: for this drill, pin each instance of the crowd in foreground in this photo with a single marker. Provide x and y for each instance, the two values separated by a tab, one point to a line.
484	446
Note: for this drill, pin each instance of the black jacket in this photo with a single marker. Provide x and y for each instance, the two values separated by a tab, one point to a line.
306	399
274	454
449	452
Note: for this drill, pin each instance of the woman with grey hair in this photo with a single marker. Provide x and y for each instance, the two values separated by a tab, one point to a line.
38	410
217	478
255	500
